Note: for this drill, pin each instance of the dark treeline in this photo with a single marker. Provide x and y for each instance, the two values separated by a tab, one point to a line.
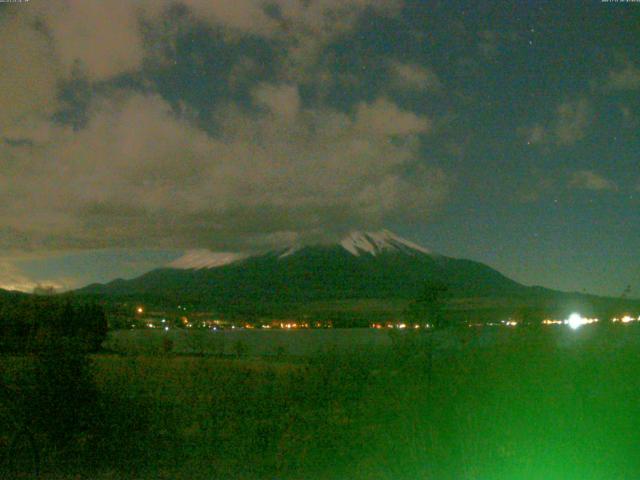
50	403
27	323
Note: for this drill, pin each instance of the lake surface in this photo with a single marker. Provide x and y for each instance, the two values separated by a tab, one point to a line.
310	341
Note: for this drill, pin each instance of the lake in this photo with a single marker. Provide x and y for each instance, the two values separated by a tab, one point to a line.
306	342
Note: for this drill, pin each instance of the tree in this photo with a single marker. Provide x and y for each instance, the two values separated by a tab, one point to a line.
92	325
428	307
63	401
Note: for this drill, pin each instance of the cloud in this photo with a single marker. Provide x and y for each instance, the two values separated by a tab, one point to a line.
288	18
307	27
104	37
415	77
246	16
626	78
13	278
28	77
281	100
589	180
570	125
385	118
138	175
535	134
573	118
48	43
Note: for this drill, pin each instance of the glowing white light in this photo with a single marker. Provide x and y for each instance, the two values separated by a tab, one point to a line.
166	329
575	321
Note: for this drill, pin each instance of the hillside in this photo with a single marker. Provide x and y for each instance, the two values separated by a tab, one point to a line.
364	267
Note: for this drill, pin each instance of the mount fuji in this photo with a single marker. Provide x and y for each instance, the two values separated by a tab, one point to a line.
363	265
364	276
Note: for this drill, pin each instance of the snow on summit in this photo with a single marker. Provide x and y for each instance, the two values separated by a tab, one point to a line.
377	242
357	243
205	259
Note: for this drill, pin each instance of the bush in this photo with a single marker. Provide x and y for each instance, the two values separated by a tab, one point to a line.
64	395
25	322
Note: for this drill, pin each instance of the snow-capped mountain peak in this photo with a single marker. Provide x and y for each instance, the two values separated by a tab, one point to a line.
356	243
196	259
374	243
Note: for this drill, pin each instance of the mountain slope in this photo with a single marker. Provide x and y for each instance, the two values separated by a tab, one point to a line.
363	265
366	276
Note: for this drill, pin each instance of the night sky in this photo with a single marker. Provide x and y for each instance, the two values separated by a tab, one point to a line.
503	132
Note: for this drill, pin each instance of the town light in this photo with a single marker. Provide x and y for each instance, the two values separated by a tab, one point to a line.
575	321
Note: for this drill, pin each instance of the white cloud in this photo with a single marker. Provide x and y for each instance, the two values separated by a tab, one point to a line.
44	42
383	117
306	28
138	175
572	121
104	36
535	134
107	40
589	180
281	100
246	16
27	78
570	125
626	78
415	77
13	278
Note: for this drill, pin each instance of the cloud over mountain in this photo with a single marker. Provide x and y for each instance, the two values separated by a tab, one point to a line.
139	171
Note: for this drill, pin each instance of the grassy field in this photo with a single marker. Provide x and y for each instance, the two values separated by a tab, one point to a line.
531	404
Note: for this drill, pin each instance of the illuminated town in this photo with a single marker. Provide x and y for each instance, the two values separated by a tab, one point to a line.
154	319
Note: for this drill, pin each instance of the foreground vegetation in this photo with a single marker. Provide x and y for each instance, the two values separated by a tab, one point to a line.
539	404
